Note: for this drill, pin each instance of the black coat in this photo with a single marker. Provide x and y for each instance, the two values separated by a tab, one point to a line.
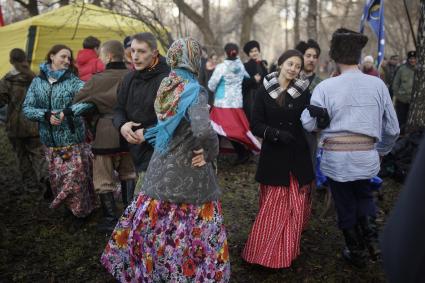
136	98
250	86
402	241
278	160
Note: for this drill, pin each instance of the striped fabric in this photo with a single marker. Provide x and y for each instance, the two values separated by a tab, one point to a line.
275	237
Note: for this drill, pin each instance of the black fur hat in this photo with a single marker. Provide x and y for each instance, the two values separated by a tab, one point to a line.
250	45
302	46
346	46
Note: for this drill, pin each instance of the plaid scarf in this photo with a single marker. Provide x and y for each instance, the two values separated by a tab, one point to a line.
295	89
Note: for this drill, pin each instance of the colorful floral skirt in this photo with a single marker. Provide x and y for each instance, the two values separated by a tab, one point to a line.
70	170
158	241
276	234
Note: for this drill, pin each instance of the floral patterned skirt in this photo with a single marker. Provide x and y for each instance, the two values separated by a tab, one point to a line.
70	170
159	241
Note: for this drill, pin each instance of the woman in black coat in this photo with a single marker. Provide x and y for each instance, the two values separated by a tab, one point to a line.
285	170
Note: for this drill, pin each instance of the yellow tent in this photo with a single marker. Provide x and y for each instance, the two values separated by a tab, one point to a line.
67	25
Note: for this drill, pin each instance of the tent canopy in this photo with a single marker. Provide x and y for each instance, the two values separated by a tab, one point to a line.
67	25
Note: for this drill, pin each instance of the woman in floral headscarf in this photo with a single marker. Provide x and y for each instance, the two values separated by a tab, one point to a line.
174	231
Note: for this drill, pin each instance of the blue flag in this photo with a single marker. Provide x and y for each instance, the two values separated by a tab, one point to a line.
373	14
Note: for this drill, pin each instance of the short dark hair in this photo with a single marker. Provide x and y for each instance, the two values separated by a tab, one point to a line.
115	48
17	55
91	42
146	37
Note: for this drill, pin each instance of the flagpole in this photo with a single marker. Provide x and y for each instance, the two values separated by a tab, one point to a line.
410	22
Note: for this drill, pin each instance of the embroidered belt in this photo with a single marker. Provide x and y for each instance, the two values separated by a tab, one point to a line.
350	142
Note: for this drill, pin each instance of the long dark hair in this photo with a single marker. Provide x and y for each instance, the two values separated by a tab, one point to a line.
55	49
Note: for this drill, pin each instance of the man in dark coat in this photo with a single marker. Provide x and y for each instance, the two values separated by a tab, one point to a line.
110	154
136	96
402	241
257	70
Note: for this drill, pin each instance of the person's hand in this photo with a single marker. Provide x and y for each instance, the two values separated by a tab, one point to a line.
286	137
140	134
257	78
198	159
54	120
316	111
128	134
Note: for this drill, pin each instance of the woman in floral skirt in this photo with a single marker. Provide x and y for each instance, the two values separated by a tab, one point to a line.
49	102
173	231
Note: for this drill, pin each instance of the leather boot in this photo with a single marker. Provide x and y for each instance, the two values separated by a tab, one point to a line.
109	212
127	191
354	252
369	232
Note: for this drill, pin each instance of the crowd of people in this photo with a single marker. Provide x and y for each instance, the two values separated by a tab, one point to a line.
123	113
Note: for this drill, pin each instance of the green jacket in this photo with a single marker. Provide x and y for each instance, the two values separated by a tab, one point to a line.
403	83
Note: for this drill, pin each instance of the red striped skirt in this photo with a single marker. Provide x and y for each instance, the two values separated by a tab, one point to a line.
276	234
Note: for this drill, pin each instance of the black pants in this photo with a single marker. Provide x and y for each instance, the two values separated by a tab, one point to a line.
352	201
240	149
402	110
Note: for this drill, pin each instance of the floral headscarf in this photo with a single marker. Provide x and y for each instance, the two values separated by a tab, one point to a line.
177	92
185	53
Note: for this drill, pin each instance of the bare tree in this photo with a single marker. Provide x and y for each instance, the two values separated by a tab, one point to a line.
248	13
147	15
416	119
202	22
297	22
312	19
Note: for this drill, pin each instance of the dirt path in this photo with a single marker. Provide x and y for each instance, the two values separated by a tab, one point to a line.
36	244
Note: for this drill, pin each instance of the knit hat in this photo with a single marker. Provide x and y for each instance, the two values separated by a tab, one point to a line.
288	54
302	46
250	45
411	54
368	58
232	51
346	46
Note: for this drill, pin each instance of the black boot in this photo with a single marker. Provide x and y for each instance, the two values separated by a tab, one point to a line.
354	250
369	232
127	191
109	213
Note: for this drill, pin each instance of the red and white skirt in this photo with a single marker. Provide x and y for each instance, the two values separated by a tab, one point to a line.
233	124
275	237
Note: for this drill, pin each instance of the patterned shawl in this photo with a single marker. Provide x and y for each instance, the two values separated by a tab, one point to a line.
177	92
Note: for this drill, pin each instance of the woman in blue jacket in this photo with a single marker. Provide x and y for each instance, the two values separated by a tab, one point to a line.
48	102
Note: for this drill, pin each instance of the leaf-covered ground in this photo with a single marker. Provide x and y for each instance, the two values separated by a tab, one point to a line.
38	244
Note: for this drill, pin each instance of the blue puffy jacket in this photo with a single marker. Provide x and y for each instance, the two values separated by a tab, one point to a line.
44	97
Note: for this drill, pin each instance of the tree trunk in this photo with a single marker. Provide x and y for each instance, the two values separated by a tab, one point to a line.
312	19
202	23
296	23
416	119
248	19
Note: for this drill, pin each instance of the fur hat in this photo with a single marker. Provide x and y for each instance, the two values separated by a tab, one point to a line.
250	45
346	46
411	54
302	46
